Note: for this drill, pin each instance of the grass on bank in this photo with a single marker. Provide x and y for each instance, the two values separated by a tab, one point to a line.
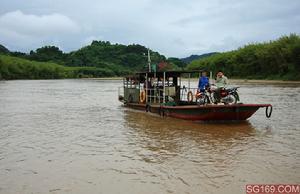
18	68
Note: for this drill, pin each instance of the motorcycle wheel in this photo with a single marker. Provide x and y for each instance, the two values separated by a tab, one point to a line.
234	97
203	100
214	99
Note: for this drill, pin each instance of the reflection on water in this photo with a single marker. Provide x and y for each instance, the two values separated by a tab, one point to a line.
174	136
203	154
73	136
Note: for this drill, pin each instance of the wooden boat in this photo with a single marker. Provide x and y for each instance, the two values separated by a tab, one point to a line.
163	93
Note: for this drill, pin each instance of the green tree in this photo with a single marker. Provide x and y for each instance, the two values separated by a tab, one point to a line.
277	59
47	53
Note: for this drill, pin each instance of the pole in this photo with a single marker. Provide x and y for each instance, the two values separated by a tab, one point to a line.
146	83
149	61
189	84
164	94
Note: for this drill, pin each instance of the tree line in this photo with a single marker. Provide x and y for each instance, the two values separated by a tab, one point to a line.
18	68
99	59
279	59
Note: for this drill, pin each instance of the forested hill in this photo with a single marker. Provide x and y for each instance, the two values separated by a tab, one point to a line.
279	59
19	68
111	59
197	57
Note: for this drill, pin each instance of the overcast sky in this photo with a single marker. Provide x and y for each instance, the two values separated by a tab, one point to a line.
175	28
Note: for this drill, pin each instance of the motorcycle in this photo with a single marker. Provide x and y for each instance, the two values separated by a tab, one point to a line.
202	97
209	95
228	96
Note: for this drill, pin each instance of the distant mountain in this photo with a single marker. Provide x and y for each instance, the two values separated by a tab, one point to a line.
3	49
195	57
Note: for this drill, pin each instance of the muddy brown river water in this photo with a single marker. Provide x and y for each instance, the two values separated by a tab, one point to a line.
73	136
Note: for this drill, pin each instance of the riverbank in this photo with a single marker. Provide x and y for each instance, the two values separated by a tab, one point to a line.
104	78
232	81
255	81
246	81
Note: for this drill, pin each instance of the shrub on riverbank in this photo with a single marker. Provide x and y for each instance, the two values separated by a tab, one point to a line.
278	59
17	68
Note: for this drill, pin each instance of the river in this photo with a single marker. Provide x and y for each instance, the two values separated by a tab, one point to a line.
73	136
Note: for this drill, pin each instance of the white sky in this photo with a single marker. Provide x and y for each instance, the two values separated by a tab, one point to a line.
174	28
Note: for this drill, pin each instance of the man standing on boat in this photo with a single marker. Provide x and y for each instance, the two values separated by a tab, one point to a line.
221	82
203	82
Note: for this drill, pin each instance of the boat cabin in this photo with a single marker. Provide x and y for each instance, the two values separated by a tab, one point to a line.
165	88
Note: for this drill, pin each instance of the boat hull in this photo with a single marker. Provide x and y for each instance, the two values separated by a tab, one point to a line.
236	112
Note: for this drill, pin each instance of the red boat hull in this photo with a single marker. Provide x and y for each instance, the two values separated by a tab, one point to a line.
202	113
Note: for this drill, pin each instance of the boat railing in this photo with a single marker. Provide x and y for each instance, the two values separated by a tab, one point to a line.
155	95
185	92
